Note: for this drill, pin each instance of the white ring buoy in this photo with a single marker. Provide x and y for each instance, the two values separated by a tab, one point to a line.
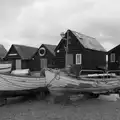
42	51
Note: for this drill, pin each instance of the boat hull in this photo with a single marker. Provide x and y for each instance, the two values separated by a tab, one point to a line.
5	70
62	90
16	84
5	67
29	92
68	85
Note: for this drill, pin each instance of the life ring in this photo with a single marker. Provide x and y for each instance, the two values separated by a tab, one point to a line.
42	51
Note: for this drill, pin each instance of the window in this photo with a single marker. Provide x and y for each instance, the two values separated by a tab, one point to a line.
78	58
106	58
112	57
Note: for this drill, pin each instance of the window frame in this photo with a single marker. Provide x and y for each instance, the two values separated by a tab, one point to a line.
112	57
80	58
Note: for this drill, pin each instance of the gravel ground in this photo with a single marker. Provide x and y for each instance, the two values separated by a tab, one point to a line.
94	109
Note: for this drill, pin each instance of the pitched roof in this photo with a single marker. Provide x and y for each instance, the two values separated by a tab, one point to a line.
115	48
88	42
3	51
25	51
51	48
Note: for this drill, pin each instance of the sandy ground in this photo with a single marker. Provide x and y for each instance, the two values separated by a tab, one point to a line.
94	109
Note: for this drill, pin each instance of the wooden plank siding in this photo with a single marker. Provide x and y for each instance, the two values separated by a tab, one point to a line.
22	53
49	56
115	65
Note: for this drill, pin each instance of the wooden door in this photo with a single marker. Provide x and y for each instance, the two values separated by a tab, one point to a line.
43	63
118	62
18	64
69	59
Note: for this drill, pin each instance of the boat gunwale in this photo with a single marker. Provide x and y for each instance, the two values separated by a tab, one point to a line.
25	76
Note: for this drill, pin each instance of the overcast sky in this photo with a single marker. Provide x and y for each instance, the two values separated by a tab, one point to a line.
33	22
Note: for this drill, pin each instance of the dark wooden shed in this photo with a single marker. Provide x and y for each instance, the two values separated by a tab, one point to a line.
82	50
114	58
44	57
20	56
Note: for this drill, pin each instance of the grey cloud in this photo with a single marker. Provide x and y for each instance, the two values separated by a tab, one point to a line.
109	29
37	21
10	9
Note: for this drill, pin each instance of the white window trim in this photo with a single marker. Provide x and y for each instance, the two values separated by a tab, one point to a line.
112	57
106	58
79	63
12	54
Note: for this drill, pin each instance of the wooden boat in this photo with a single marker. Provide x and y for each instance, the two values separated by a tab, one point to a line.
5	67
20	72
59	83
17	85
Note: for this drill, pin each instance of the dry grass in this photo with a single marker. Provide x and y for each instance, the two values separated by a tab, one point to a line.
19	109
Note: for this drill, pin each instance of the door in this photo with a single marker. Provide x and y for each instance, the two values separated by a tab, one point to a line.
43	63
118	62
69	59
18	64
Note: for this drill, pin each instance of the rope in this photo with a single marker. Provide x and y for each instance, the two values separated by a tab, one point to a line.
55	77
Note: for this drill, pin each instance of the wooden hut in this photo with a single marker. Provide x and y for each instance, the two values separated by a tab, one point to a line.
20	56
114	58
44	57
82	50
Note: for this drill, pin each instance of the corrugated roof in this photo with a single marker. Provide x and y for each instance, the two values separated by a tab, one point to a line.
3	51
51	48
25	51
88	42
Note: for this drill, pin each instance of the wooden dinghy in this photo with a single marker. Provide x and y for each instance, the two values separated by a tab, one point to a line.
17	85
5	67
20	72
59	83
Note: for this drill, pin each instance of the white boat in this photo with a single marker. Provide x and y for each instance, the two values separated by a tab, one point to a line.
20	72
59	83
5	67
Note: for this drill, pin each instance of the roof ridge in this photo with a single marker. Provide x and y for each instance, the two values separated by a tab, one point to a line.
49	44
20	45
83	34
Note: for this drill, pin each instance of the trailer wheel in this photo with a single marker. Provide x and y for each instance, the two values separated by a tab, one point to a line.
92	95
40	95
